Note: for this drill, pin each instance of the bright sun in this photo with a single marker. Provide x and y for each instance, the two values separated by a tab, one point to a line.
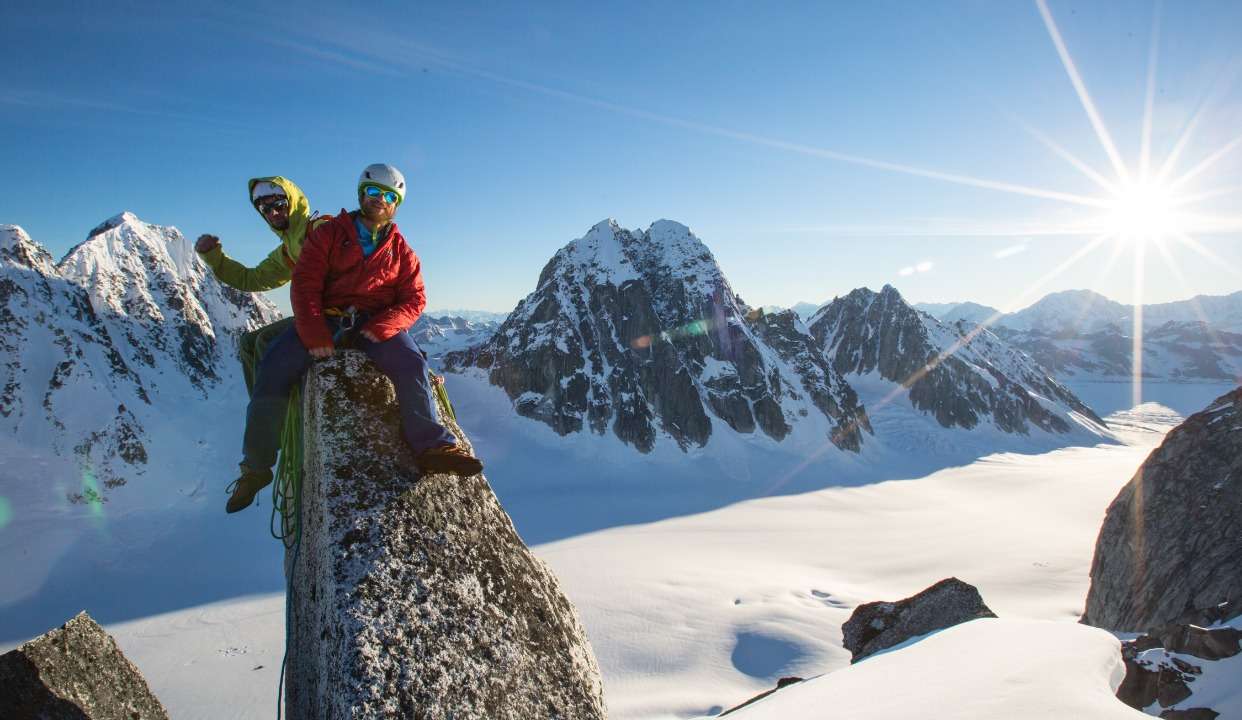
1141	210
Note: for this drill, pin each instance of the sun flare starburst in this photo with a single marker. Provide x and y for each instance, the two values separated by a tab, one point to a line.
1143	210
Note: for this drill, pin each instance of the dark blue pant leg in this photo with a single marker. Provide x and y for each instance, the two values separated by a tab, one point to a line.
282	365
400	359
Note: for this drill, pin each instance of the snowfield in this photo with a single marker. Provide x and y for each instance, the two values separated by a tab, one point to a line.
693	615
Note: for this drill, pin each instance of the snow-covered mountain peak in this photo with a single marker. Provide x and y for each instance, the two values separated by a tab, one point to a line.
604	254
121	218
962	376
18	250
611	253
126	244
88	345
641	333
140	275
1070	311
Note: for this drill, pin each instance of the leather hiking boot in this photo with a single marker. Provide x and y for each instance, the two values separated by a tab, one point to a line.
246	487
451	459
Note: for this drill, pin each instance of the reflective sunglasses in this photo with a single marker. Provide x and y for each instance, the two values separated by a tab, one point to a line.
375	191
266	205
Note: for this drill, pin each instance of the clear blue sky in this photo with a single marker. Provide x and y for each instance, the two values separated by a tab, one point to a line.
521	125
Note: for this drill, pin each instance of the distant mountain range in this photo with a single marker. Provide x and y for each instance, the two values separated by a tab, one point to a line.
636	334
1082	335
640	334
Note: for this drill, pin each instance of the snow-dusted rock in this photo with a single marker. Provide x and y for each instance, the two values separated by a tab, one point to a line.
74	672
1171	542
960	374
878	626
640	333
414	596
1166	666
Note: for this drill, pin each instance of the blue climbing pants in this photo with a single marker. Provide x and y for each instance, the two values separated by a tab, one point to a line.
286	359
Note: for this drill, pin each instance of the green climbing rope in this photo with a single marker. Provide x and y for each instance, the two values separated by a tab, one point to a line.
287	488
442	394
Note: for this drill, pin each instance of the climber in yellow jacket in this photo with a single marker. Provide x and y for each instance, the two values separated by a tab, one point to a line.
285	209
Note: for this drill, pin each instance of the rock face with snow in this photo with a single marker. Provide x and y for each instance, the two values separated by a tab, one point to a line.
640	334
960	374
881	625
1171	541
86	343
414	596
1164	667
75	672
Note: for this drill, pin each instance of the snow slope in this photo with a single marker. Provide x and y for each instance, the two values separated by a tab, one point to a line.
693	615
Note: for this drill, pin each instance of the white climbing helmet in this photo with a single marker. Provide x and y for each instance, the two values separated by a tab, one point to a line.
386	176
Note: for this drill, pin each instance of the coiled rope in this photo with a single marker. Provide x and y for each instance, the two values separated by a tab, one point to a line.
287	506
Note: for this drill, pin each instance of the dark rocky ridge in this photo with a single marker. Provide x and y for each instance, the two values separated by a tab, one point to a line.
415	597
1171	541
74	672
878	626
960	374
641	333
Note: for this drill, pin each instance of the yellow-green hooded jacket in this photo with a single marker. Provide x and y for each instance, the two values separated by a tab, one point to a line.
277	268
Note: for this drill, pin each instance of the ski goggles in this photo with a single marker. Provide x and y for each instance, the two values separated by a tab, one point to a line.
268	204
375	191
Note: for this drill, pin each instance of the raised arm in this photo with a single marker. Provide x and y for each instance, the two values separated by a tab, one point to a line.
270	274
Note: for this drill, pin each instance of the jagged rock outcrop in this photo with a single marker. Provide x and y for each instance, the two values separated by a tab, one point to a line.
414	596
75	672
642	334
1171	541
1163	666
961	374
877	626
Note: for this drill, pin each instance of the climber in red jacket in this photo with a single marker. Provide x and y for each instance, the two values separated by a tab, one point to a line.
356	274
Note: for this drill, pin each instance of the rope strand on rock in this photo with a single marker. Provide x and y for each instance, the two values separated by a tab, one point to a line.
287	505
287	489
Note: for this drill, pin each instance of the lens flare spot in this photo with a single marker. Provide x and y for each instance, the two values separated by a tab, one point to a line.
641	343
1010	251
90	494
6	512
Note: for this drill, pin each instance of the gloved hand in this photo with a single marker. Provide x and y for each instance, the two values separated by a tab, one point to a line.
206	243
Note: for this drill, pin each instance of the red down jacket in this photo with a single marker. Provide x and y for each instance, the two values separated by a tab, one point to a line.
332	273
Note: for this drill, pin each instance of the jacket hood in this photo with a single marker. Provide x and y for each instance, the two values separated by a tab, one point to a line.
299	213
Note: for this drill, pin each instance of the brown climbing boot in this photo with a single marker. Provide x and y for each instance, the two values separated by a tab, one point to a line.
451	459
246	487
